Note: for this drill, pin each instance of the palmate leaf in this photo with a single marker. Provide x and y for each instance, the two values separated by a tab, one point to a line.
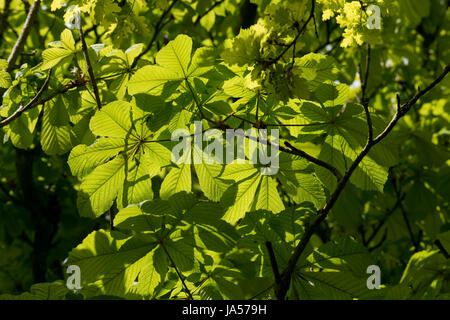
177	180
5	77
118	67
346	136
22	129
250	191
41	291
120	164
83	159
315	68
56	135
110	261
173	64
221	284
113	261
335	270
99	189
423	270
212	187
282	230
299	181
61	50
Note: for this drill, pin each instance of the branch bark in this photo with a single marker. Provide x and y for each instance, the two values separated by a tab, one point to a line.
84	49
282	287
33	102
20	43
158	29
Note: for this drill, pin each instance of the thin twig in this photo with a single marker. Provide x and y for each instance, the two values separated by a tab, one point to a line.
364	100
316	161
20	43
177	271
299	33
261	292
158	28
403	109
386	217
29	105
286	275
405	217
84	49
35	101
273	262
441	247
200	16
366	75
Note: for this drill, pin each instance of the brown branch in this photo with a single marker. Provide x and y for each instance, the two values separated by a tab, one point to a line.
29	105
20	43
200	16
4	19
327	43
364	100
316	161
441	247
281	289
299	33
158	28
366	75
403	109
84	49
386	217
273	262
397	191
188	292
35	101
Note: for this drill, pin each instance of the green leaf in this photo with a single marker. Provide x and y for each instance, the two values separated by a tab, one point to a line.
99	189
56	132
83	159
177	180
110	261
251	191
137	186
113	120
66	49
176	55
5	79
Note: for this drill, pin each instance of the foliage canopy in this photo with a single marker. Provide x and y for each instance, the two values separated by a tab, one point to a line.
93	90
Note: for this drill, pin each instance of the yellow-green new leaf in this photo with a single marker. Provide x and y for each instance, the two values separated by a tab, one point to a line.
99	189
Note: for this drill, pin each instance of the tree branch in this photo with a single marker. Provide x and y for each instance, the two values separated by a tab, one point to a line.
405	217
386	217
281	289
299	33
441	247
35	101
20	43
84	49
158	29
273	262
200	16
178	272
316	161
364	100
402	110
